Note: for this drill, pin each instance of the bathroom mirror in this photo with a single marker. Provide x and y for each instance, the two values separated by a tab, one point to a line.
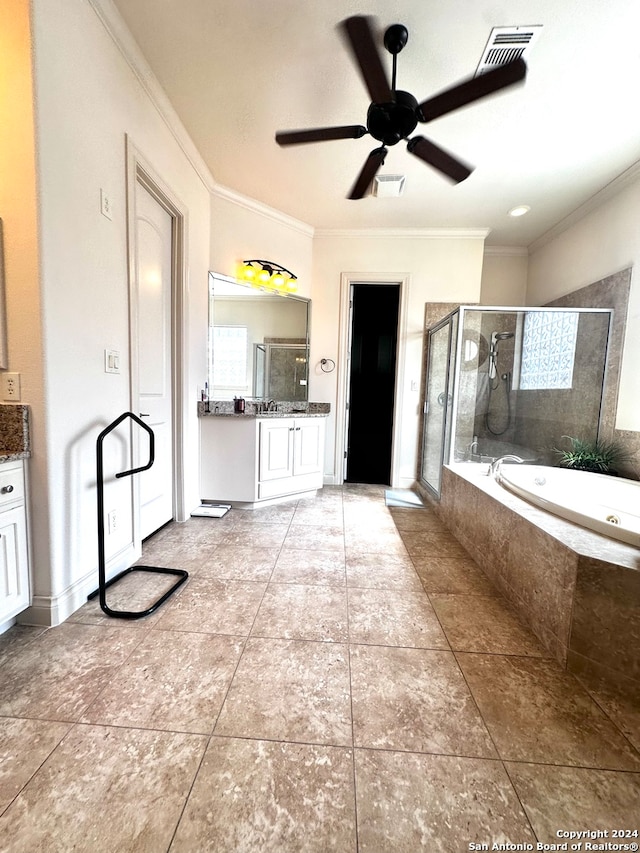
258	342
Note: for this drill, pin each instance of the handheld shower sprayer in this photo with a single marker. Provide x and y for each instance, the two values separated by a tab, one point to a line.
493	351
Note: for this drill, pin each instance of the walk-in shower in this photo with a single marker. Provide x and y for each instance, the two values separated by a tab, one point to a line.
511	380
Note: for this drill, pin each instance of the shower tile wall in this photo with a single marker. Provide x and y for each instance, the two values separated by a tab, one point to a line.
610	292
544	416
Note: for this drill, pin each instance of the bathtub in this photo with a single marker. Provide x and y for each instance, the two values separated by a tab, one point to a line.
608	505
487	450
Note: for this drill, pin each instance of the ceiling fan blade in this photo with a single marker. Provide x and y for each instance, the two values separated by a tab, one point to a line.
368	172
471	90
320	134
360	36
439	159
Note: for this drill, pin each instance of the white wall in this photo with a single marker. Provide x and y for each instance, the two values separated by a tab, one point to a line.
606	240
440	269
88	99
504	276
18	208
242	229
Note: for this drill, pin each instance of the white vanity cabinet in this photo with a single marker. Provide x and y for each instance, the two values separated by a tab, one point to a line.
14	561
250	460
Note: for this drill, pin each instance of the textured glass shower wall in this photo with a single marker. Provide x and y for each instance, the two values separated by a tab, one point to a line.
525	379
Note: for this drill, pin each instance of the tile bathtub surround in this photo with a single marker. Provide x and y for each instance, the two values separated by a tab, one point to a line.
344	680
577	590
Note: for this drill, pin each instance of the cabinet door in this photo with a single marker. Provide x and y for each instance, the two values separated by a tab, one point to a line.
276	449
14	569
308	445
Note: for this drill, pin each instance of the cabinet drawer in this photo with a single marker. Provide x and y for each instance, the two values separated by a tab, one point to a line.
11	484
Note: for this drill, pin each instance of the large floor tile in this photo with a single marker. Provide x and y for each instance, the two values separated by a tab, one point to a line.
574	798
276	514
389	617
302	612
16	639
270	797
432	543
134	592
483	623
290	690
414	700
24	745
174	696
451	574
380	571
313	537
418	520
250	534
319	514
408	803
536	712
374	541
618	696
104	790
326	568
214	606
239	562
57	677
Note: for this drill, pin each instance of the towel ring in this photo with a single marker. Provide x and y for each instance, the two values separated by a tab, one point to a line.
327	361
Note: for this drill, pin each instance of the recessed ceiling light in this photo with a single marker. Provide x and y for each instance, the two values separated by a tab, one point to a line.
519	210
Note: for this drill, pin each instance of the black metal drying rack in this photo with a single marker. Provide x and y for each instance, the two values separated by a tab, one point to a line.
103	583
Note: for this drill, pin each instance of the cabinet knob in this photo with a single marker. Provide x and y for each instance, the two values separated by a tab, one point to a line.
5	490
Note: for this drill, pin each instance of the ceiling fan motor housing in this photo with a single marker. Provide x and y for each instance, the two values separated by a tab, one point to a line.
389	123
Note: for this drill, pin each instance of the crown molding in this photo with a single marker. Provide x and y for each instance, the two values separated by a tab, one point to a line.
507	251
114	24
609	191
405	233
262	209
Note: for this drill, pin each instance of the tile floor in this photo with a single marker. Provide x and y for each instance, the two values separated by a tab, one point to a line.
335	675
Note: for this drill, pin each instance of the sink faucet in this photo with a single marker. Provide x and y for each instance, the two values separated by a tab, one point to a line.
272	406
494	468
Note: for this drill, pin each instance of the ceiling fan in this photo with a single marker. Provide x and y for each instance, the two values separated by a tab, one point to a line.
393	114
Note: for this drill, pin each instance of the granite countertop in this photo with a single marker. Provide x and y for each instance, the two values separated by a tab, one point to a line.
14	433
224	409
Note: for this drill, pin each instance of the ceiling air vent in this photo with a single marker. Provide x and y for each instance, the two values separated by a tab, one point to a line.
388	186
506	44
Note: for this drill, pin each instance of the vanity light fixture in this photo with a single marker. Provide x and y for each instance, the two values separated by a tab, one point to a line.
267	275
519	210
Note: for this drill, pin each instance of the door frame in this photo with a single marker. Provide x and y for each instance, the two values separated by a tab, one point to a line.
140	172
347	279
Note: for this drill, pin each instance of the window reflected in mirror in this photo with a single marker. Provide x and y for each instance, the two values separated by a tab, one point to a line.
258	343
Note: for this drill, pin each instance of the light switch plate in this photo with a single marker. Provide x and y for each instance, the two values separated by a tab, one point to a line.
111	361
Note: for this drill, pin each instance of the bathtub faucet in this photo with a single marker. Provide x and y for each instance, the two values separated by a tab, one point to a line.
494	468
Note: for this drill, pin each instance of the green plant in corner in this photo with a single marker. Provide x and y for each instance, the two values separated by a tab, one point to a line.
601	457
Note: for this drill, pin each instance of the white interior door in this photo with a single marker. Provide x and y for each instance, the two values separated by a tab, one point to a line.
154	268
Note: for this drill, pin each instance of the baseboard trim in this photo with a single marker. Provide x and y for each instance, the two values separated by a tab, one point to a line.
47	611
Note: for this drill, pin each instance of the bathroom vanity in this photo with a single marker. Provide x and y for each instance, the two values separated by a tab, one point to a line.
14	557
14	563
255	458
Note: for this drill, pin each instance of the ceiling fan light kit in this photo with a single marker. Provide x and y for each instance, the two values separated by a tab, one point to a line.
393	114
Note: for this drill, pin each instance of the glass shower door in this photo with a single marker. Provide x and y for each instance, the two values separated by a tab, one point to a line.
438	399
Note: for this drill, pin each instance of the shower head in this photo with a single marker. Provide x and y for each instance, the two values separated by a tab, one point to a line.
501	336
